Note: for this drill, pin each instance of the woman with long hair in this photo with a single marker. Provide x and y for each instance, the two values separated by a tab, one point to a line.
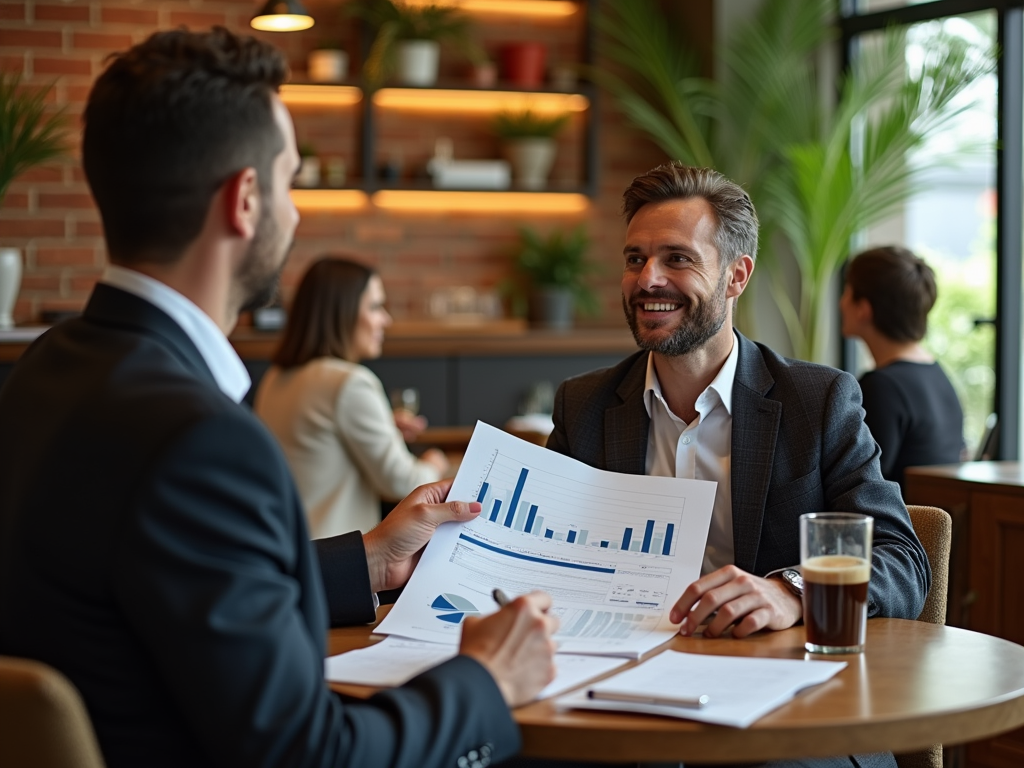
330	413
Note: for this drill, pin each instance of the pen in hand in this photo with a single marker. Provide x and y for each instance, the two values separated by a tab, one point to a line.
499	597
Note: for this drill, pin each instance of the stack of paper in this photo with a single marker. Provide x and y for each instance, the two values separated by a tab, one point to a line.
614	552
739	689
397	660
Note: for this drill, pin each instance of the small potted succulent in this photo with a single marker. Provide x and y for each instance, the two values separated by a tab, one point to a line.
555	267
29	136
528	143
408	40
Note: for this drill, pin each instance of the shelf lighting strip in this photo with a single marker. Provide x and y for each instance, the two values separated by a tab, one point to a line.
329	199
550	8
429	201
436	100
320	95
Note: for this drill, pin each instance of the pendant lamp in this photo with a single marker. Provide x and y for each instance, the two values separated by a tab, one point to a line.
282	16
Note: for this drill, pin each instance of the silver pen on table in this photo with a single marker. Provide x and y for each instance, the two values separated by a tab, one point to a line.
687	702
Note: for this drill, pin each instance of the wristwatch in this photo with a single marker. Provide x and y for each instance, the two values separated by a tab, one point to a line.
792	578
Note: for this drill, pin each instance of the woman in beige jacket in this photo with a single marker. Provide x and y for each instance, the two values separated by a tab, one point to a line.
329	413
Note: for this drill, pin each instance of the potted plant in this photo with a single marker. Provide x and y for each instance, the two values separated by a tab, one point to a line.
408	38
327	63
528	143
28	137
309	167
816	176
555	267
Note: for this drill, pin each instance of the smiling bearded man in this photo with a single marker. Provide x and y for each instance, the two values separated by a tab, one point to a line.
780	437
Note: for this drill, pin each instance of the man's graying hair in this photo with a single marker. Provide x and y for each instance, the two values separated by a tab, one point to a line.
736	233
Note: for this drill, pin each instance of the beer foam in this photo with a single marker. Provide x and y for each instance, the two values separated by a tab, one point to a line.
836	569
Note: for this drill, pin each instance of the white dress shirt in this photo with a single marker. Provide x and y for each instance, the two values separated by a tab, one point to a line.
700	450
228	370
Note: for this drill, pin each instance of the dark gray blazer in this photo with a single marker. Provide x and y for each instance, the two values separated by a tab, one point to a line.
154	549
799	444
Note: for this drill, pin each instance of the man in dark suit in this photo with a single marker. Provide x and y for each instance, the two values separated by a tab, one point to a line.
780	437
152	543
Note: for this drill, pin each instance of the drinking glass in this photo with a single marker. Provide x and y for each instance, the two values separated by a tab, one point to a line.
407	399
835	559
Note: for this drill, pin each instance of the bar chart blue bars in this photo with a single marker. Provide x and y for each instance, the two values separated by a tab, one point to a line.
532	501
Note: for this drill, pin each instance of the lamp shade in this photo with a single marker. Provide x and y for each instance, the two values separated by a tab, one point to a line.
282	16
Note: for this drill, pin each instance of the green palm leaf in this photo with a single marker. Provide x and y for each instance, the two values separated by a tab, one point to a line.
29	136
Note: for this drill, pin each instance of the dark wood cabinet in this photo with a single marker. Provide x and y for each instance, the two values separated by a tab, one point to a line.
986	501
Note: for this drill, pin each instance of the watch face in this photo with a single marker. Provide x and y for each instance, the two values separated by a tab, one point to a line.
794	578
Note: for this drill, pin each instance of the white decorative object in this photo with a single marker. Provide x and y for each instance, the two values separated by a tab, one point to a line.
309	172
10	280
418	61
327	65
531	160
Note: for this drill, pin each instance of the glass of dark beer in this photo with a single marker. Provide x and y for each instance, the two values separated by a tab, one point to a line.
835	559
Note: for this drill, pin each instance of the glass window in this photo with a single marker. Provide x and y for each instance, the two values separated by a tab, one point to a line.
950	222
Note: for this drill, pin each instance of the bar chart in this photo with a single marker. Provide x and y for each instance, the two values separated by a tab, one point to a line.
529	500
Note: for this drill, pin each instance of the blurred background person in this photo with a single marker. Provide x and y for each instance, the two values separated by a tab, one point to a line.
910	405
330	413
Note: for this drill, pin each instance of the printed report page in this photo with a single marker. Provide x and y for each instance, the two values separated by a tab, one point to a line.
614	551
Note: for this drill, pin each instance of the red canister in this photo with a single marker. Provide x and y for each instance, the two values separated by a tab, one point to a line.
522	64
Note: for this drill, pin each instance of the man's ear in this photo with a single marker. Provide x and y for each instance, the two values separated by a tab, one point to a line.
740	271
242	203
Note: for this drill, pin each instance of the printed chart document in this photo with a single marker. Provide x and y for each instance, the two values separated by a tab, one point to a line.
396	660
739	689
614	551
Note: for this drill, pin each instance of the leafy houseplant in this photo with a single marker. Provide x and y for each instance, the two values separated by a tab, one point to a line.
555	268
28	137
408	40
528	143
816	176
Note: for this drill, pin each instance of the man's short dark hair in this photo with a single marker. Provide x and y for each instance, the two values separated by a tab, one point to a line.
736	230
900	288
169	122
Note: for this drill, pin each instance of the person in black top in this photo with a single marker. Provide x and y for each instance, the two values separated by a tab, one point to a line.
909	403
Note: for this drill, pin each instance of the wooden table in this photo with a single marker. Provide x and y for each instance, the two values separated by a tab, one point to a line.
917	684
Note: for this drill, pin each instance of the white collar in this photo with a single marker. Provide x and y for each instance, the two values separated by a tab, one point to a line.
721	385
228	370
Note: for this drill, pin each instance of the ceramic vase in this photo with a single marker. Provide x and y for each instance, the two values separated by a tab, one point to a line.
551	307
10	281
327	65
418	61
531	160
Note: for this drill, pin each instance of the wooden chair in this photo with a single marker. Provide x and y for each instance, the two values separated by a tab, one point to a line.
934	528
43	722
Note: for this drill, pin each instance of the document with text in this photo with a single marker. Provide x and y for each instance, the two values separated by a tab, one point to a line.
396	660
614	551
739	689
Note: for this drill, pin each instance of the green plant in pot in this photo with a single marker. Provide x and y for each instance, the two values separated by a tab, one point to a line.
29	137
408	40
528	143
556	267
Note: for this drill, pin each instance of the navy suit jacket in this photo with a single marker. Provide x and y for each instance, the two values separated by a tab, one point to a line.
799	444
154	549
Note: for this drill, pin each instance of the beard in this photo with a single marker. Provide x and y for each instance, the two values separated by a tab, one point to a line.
259	276
699	323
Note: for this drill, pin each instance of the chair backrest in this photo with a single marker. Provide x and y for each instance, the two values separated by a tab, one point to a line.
989	443
934	528
43	722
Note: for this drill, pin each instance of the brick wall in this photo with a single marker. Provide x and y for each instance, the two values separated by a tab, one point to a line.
49	214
